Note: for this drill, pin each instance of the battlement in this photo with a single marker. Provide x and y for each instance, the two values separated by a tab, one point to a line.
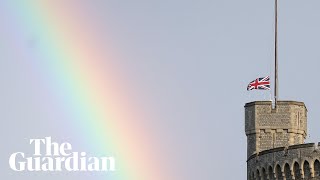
300	161
268	128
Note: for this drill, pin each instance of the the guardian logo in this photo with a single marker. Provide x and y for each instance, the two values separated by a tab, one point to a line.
58	157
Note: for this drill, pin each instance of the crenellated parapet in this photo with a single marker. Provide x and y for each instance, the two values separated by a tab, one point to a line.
286	163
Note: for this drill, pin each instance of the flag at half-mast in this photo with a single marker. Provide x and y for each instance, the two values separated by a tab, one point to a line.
260	83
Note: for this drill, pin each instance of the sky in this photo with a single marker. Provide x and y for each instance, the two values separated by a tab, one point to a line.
160	85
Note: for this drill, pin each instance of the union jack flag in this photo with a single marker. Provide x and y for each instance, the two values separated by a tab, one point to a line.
260	83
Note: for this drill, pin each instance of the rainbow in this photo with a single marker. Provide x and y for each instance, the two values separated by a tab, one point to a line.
81	71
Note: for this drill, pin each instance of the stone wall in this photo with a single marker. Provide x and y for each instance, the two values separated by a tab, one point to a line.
268	128
299	162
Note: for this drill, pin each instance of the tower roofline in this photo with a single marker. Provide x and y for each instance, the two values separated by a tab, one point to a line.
279	103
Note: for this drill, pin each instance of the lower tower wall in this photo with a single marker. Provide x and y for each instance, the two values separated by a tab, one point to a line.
298	162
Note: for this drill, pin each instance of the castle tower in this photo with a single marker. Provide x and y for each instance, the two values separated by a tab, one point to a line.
275	136
268	128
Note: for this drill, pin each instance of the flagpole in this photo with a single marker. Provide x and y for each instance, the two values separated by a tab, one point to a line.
276	55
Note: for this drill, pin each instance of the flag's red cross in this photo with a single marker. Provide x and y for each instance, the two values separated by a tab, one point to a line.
260	83
257	83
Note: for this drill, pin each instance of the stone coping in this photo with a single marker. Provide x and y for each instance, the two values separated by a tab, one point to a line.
279	149
270	103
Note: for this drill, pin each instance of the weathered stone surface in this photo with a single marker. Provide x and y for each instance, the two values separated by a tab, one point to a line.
297	161
268	128
275	140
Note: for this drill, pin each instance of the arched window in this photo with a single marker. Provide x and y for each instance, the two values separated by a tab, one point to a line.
287	172
317	168
264	174
306	170
258	177
296	170
252	176
279	173
270	173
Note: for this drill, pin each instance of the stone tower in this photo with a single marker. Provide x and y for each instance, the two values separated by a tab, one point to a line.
268	128
275	137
